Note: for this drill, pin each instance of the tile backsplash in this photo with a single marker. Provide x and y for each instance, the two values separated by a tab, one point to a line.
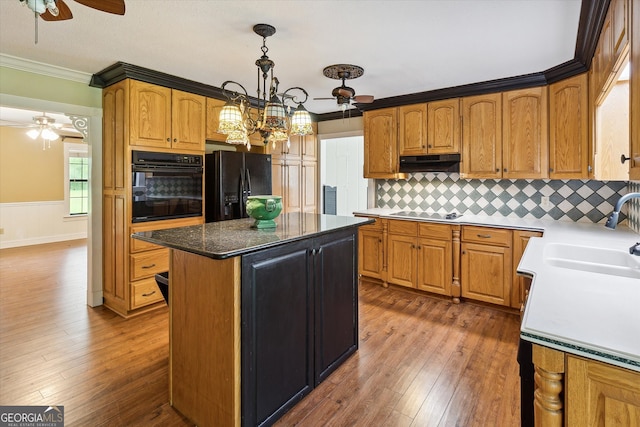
634	207
568	200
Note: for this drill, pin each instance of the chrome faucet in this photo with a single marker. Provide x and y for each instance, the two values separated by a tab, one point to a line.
613	218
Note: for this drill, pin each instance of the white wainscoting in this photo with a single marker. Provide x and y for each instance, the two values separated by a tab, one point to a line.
34	223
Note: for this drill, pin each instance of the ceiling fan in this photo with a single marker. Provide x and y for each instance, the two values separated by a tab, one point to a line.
57	10
344	94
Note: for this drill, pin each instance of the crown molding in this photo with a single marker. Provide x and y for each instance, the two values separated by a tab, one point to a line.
43	69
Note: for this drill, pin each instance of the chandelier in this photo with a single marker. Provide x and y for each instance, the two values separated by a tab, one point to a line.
45	130
272	118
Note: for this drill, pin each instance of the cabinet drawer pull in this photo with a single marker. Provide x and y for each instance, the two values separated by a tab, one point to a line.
149	266
484	236
149	294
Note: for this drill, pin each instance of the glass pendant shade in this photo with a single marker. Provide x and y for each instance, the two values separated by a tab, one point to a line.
275	117
48	134
301	122
230	119
238	137
33	133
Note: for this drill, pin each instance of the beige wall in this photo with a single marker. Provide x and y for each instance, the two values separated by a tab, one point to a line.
27	172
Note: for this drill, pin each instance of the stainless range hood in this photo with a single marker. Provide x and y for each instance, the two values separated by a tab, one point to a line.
430	163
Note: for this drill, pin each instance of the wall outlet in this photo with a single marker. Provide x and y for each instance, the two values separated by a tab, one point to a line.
544	202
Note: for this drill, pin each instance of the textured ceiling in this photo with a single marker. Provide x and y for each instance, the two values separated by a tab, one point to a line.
404	46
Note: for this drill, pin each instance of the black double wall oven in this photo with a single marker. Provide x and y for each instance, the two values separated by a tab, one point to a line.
166	185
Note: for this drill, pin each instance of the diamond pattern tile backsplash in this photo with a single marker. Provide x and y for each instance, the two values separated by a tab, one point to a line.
569	200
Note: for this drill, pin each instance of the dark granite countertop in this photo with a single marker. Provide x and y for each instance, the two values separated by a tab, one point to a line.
227	239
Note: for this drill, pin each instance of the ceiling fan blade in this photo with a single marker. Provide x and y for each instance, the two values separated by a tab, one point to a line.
363	99
322	99
344	92
110	6
64	13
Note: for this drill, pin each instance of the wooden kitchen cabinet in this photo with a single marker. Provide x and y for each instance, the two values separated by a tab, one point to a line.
135	116
161	117
381	143
412	129
371	252
420	256
443	126
569	142
309	184
634	94
525	134
482	136
600	394
576	391
521	284
486	264
286	178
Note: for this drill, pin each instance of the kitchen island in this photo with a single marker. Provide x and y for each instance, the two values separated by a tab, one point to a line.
258	318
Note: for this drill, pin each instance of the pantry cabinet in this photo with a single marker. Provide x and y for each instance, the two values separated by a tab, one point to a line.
486	264
569	142
161	117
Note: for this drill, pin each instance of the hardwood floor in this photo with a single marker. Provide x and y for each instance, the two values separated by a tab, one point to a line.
422	361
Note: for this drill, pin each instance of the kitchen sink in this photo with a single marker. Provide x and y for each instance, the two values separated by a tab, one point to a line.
591	259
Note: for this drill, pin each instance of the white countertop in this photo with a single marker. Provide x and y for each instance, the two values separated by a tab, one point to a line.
588	314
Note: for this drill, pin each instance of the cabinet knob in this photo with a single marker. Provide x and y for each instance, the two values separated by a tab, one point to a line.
505	169
175	139
624	158
464	252
168	139
497	169
550	169
430	146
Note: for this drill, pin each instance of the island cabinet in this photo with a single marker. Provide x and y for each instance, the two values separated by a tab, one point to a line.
578	391
258	318
421	256
299	321
166	118
486	264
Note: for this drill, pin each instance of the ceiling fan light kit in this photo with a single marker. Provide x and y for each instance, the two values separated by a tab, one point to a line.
45	130
272	114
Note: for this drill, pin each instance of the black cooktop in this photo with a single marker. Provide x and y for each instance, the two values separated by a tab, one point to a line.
426	215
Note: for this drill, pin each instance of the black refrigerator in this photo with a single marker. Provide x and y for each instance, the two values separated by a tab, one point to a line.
230	177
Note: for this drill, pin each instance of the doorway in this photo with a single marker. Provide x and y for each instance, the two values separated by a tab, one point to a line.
342	161
92	118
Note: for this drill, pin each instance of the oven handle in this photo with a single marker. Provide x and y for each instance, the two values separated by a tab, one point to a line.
152	168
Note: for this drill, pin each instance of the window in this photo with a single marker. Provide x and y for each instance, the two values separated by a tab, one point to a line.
76	179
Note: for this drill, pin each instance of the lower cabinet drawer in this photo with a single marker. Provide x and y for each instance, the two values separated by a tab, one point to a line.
145	292
147	264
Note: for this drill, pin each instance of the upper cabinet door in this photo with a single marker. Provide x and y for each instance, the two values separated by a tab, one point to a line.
482	136
150	112
381	143
412	121
525	133
569	129
443	124
188	120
